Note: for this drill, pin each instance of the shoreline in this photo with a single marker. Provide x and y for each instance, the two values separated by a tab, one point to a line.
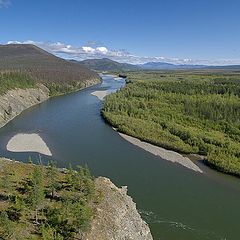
163	153
43	89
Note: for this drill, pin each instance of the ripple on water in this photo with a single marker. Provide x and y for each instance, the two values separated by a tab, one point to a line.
152	218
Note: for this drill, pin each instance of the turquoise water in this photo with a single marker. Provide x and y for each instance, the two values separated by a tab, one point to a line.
176	202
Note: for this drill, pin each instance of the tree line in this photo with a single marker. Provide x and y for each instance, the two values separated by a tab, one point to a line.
185	112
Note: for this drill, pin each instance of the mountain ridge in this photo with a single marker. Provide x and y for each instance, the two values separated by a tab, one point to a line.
42	65
105	64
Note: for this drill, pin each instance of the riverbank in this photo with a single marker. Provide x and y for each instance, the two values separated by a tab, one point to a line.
164	154
15	101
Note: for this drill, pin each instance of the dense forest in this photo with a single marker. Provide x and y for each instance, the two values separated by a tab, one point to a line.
189	112
40	202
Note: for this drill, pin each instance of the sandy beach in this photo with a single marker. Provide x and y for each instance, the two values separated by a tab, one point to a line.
28	143
100	94
163	153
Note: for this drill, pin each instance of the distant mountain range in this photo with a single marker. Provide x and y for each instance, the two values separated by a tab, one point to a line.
166	66
106	64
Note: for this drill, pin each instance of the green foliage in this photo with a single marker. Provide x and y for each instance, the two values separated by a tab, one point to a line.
49	233
62	88
36	194
52	176
186	112
12	80
46	203
6	181
6	226
23	79
36	187
81	181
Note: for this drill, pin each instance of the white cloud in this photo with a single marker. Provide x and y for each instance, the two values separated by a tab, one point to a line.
102	50
88	49
4	3
90	52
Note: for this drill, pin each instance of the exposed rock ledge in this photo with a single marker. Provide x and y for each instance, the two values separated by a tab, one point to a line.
15	101
117	217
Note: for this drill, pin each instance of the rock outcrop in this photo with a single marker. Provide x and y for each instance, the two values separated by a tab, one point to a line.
15	101
116	216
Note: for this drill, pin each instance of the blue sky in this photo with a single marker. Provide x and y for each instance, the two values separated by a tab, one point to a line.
180	31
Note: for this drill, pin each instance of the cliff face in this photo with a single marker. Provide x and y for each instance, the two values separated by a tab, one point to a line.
116	216
15	101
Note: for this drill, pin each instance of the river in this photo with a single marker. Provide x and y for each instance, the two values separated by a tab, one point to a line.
177	203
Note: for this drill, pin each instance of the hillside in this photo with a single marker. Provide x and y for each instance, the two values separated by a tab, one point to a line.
48	203
30	75
106	64
43	66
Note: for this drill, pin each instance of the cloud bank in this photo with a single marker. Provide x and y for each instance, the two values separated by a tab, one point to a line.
90	51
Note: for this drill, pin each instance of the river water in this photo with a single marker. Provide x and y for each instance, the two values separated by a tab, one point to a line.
177	203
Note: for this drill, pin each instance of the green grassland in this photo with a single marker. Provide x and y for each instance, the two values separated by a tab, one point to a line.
189	112
39	202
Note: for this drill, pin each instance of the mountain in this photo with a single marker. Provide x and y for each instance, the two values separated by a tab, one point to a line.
168	66
42	65
227	67
106	64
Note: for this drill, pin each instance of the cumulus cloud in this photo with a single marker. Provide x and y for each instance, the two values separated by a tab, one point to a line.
4	3
91	51
88	49
102	50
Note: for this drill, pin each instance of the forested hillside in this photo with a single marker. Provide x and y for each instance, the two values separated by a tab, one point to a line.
106	64
40	202
186	112
28	63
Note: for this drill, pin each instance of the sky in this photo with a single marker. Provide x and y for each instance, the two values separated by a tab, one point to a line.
175	31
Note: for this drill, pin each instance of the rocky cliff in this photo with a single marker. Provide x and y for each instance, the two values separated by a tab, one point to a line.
116	216
15	101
